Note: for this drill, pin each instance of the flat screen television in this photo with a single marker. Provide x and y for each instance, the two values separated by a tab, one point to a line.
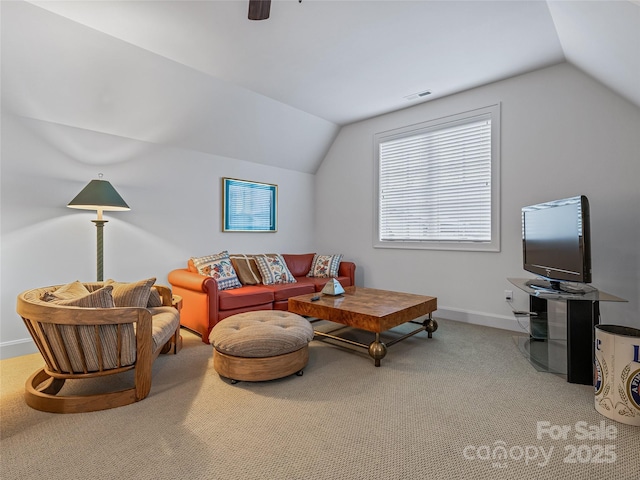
556	244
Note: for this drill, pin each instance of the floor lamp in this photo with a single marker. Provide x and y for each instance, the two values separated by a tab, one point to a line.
101	196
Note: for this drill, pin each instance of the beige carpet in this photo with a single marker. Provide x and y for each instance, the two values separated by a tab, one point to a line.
436	408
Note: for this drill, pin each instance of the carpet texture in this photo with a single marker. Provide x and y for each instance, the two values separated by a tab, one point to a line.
464	404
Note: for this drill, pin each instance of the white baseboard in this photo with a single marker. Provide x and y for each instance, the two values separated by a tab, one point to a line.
17	348
480	318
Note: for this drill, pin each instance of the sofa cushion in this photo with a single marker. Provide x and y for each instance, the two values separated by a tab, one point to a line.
299	264
273	269
101	298
246	268
325	266
247	296
133	294
220	268
282	291
164	323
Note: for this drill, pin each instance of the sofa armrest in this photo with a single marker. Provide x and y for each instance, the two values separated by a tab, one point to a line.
185	279
348	269
199	293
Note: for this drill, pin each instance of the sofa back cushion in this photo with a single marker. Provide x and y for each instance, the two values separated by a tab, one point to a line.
299	264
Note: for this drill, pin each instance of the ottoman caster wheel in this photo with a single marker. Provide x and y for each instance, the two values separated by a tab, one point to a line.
300	373
233	382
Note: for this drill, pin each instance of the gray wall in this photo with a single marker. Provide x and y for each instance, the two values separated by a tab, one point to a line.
77	102
175	199
563	134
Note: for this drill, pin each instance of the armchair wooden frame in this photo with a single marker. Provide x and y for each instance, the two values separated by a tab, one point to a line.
64	325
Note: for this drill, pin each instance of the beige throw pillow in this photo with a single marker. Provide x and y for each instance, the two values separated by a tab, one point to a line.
134	294
65	292
101	298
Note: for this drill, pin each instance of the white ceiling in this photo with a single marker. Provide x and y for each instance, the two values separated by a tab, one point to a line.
310	68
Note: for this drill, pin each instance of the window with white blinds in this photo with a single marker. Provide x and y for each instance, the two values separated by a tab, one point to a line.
438	184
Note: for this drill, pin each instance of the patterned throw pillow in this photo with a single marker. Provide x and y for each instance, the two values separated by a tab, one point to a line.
273	269
246	268
325	266
220	268
100	298
134	294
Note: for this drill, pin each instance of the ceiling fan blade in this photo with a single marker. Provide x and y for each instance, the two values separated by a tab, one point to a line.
259	9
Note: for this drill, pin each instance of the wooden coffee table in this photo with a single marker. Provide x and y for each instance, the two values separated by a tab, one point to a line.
371	310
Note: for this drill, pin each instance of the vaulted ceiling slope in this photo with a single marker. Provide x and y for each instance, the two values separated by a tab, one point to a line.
200	75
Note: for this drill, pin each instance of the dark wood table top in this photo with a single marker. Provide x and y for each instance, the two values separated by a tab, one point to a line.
365	308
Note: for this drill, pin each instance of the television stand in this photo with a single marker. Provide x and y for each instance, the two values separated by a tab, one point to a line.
562	329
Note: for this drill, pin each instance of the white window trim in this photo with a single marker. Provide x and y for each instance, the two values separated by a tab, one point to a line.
491	246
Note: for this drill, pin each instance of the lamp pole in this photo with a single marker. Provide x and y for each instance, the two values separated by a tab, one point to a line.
100	256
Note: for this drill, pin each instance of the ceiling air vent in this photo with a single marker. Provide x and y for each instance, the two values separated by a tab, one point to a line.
417	96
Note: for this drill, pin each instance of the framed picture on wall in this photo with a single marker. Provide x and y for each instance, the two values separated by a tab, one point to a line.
249	206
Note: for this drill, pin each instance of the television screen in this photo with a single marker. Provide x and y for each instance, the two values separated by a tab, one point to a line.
556	240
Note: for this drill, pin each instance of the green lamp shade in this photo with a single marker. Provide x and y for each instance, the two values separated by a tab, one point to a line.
99	195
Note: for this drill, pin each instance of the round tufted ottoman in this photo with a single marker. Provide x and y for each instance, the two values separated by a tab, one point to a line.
261	345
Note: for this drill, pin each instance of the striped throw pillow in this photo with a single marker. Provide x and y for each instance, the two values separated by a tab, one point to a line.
134	294
246	268
101	298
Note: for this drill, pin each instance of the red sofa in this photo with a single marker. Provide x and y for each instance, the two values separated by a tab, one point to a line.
203	305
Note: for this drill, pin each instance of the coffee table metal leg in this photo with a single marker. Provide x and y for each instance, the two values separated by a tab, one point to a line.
430	325
377	350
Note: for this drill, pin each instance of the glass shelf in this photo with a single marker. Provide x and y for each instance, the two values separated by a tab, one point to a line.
594	295
544	355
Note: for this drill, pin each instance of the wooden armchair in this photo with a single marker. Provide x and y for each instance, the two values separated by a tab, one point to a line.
80	343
